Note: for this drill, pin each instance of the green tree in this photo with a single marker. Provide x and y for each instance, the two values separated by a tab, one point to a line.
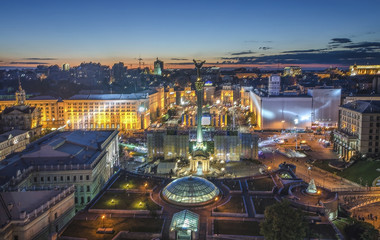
282	222
359	230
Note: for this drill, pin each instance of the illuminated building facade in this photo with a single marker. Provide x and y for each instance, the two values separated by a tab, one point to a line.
364	70
281	112
66	67
274	85
97	111
359	128
223	145
326	102
292	71
186	96
108	111
85	159
170	97
225	96
158	67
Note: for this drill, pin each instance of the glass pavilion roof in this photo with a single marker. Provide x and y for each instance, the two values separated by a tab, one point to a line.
190	191
185	220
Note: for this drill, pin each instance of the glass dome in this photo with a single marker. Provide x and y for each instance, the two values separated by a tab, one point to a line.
190	191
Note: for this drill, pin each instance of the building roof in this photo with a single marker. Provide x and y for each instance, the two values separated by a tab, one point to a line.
43	98
363	106
21	108
17	203
58	149
185	220
191	191
14	133
132	96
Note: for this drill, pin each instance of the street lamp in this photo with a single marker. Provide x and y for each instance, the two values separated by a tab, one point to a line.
103	220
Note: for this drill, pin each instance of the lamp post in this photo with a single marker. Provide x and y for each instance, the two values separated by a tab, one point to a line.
103	220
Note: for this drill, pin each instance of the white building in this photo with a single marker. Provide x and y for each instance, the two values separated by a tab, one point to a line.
274	85
281	112
326	102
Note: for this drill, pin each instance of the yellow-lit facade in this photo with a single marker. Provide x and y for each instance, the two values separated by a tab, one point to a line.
92	114
187	96
364	70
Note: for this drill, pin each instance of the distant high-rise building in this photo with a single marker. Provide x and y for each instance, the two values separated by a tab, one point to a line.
65	67
158	67
119	70
292	71
274	85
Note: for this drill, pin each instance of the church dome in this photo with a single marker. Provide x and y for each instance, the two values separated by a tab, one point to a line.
190	191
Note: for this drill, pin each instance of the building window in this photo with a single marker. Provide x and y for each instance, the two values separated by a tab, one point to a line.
81	188
74	178
88	199
88	188
61	178
369	149
81	177
68	178
42	179
48	179
87	177
35	179
76	200
55	215
55	179
81	200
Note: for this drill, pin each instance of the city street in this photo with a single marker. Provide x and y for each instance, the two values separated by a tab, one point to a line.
273	157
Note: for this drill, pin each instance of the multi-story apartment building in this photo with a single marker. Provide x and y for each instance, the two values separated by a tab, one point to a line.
359	129
85	159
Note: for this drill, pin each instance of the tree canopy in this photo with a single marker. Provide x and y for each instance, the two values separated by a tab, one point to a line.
282	222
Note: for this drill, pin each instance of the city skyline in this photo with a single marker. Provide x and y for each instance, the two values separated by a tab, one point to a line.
266	35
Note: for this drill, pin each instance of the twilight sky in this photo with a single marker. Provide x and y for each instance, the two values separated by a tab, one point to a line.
251	33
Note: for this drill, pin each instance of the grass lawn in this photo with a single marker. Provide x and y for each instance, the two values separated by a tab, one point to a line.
324	231
233	185
366	170
261	184
126	201
87	229
261	203
131	182
249	228
235	205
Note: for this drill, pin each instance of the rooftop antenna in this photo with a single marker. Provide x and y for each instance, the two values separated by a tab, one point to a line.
140	59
